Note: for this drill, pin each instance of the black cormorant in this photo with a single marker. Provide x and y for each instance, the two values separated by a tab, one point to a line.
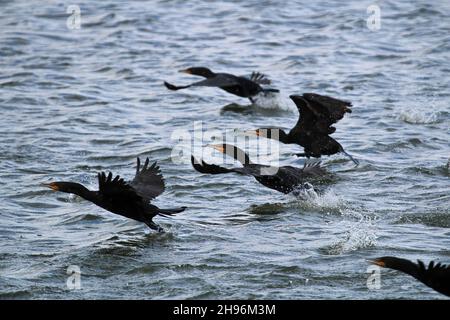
435	276
283	179
128	199
316	115
239	86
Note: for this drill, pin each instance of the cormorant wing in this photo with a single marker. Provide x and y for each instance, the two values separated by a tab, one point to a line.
259	78
437	276
148	181
327	107
116	188
314	169
221	80
306	120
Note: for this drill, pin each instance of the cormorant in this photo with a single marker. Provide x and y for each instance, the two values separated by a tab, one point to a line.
283	179
436	276
128	199
239	86
316	115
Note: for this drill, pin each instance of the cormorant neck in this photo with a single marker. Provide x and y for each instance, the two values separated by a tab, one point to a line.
239	155
275	134
208	74
403	265
83	192
200	71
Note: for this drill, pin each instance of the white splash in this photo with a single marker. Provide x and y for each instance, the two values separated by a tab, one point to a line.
327	200
418	116
306	192
360	234
272	100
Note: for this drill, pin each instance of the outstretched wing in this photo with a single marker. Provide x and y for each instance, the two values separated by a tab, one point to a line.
437	276
314	169
328	108
148	182
306	120
259	78
116	188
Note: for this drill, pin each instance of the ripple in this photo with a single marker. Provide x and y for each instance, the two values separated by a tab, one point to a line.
432	219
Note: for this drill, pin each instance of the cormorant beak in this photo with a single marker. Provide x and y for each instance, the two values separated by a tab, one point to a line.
377	262
293	96
218	147
185	71
52	186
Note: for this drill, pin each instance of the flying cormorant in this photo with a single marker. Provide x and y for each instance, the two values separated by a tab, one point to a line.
283	179
128	199
316	115
436	276
237	85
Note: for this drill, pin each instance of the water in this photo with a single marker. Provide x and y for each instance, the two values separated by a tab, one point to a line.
74	102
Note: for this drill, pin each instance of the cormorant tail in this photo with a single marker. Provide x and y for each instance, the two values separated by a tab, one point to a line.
174	87
270	90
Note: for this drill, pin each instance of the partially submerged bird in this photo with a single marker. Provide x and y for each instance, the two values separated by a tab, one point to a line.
284	179
237	85
129	199
317	113
436	276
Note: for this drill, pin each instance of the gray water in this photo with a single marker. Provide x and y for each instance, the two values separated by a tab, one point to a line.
77	101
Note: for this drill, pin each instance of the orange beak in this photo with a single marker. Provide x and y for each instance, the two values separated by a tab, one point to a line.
52	186
218	147
185	71
377	262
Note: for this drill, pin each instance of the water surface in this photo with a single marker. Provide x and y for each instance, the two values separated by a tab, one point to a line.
74	102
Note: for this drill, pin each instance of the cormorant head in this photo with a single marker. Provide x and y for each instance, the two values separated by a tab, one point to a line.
199	71
69	187
404	265
269	133
385	262
232	151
